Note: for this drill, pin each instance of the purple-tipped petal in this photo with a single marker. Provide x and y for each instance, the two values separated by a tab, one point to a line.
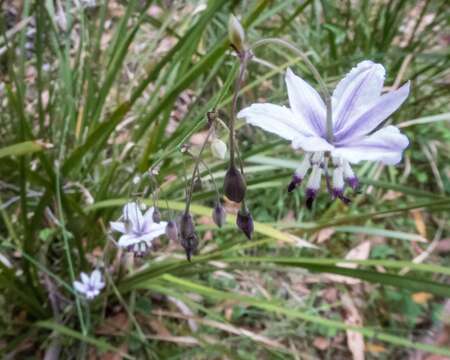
360	87
306	103
365	122
353	182
311	143
385	145
310	196
296	181
276	119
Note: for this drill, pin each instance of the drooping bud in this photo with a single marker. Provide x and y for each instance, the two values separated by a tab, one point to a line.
219	215
244	221
156	215
236	34
234	186
219	149
198	184
189	240
300	173
172	230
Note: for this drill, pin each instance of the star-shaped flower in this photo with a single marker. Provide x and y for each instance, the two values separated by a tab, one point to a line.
90	285
358	109
138	229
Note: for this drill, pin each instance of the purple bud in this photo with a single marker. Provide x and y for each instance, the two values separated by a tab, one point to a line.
234	185
353	182
172	230
156	215
189	240
296	180
219	215
244	221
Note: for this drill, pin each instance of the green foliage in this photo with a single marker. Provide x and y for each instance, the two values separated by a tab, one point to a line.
87	105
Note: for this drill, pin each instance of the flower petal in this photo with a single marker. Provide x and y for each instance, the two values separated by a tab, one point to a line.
368	120
80	287
84	278
96	278
306	103
276	119
132	212
385	145
359	88
311	143
118	226
127	240
148	219
155	231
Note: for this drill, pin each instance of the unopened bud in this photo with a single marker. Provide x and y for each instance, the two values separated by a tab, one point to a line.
172	230
156	216
219	215
219	149
189	240
234	185
236	33
244	221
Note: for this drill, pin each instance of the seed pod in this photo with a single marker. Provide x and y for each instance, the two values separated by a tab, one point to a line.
236	34
172	230
219	215
219	149
234	184
244	221
156	216
189	240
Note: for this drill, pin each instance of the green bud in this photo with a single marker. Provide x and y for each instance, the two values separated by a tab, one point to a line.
236	34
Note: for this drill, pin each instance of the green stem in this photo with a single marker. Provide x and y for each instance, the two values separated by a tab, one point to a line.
324	90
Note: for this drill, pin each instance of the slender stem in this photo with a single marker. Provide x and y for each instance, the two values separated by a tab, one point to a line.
212	178
237	87
324	90
197	162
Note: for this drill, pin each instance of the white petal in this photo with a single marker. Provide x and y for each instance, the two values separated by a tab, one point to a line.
154	231
96	277
118	226
311	143
306	103
385	145
276	119
147	219
80	287
132	212
84	278
359	88
127	240
368	120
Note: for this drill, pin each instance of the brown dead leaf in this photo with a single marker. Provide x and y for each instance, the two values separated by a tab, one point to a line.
392	195
360	252
421	297
159	328
375	348
443	246
325	234
321	343
113	325
355	341
419	222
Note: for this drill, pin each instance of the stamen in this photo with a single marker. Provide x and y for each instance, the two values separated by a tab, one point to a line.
300	173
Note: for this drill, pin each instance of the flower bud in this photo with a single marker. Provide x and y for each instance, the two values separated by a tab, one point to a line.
219	215
219	149
189	240
244	221
234	185
236	33
156	216
172	230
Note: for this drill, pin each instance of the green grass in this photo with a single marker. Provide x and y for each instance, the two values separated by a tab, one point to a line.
85	109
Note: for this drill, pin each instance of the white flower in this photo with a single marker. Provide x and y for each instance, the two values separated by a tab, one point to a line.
219	149
358	108
138	229
90	286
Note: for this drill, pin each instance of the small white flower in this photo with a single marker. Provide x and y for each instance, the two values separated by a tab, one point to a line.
138	230
90	286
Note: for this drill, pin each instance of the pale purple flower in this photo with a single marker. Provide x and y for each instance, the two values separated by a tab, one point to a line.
138	230
90	285
358	109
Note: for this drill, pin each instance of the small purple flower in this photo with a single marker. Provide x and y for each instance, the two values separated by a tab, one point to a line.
138	229
358	108
90	285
